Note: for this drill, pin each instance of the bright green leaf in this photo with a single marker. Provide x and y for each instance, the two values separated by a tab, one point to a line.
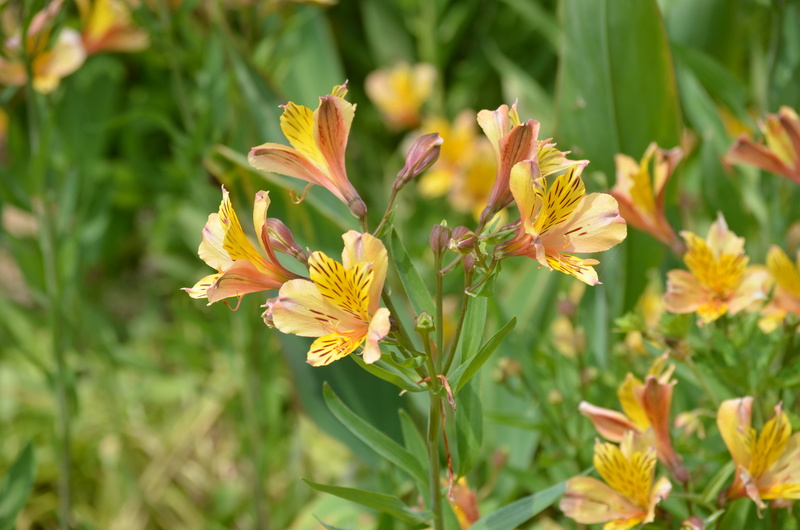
468	369
518	512
412	282
378	501
15	487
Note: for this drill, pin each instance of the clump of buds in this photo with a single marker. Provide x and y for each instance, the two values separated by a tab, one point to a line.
463	240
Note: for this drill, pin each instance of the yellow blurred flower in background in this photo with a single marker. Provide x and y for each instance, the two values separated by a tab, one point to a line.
51	59
781	154
628	496
640	192
786	296
107	26
767	465
718	280
400	91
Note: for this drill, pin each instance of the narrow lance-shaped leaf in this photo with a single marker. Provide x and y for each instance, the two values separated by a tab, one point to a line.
468	369
412	282
15	487
378	501
518	512
375	439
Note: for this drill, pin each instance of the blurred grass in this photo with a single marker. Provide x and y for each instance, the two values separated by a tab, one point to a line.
186	416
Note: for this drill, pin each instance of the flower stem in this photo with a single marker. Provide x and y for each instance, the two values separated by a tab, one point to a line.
434	426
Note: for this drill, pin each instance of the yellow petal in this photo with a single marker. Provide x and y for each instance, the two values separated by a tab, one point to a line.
632	478
589	501
379	327
630	404
526	187
563	198
297	124
786	274
200	289
771	443
733	420
365	248
582	269
596	226
347	289
301	310
333	347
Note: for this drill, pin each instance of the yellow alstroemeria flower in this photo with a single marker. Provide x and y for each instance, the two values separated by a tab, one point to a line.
317	155
558	219
781	154
340	303
640	194
646	406
107	26
767	465
718	280
241	269
627	498
786	296
48	64
399	92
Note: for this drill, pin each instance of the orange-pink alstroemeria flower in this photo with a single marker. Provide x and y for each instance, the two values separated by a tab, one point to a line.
718	280
646	406
241	269
107	26
767	465
514	142
640	193
558	219
399	92
628	496
50	61
786	296
781	154
317	154
339	304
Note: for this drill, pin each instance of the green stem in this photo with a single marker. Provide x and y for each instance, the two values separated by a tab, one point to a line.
465	300
439	313
434	426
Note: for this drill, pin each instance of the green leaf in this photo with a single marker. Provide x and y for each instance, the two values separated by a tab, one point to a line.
715	485
412	282
378	501
328	526
377	370
472	330
606	84
15	487
518	512
375	439
468	369
469	429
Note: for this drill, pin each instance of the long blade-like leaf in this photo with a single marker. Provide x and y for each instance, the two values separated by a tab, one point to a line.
518	512
15	487
467	371
378	501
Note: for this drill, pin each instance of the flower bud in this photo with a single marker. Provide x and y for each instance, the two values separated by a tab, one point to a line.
440	235
420	157
424	323
282	240
463	240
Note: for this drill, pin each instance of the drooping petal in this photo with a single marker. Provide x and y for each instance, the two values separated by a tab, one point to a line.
582	269
655	397
333	347
610	424
200	289
241	278
287	161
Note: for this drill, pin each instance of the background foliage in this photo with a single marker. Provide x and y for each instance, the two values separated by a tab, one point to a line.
185	416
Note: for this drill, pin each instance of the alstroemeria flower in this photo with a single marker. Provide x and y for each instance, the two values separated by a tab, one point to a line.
48	64
718	280
627	498
400	91
781	154
107	26
558	218
646	406
319	140
767	465
339	304
241	269
640	194
786	296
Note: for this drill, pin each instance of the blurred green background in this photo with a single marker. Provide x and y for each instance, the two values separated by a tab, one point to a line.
180	415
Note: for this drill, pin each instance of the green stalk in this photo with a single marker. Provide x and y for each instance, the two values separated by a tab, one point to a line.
451	352
434	426
439	313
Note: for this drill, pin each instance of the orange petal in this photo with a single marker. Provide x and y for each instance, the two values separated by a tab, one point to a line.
241	278
611	424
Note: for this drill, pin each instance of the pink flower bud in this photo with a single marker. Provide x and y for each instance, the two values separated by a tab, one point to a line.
422	155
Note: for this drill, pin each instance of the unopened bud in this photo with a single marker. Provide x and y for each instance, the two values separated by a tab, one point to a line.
468	262
267	314
282	240
424	323
463	240
358	208
440	235
420	157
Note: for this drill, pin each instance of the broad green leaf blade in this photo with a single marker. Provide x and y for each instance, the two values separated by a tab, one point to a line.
472	331
15	487
520	511
378	501
468	369
412	282
375	439
469	429
377	370
615	96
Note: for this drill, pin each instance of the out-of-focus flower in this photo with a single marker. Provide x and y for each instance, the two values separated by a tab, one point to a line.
339	304
107	26
558	218
781	154
646	409
640	193
319	140
767	465
689	422
464	163
718	280
569	340
422	155
464	504
786	296
399	92
651	307
627	498
50	62
241	269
